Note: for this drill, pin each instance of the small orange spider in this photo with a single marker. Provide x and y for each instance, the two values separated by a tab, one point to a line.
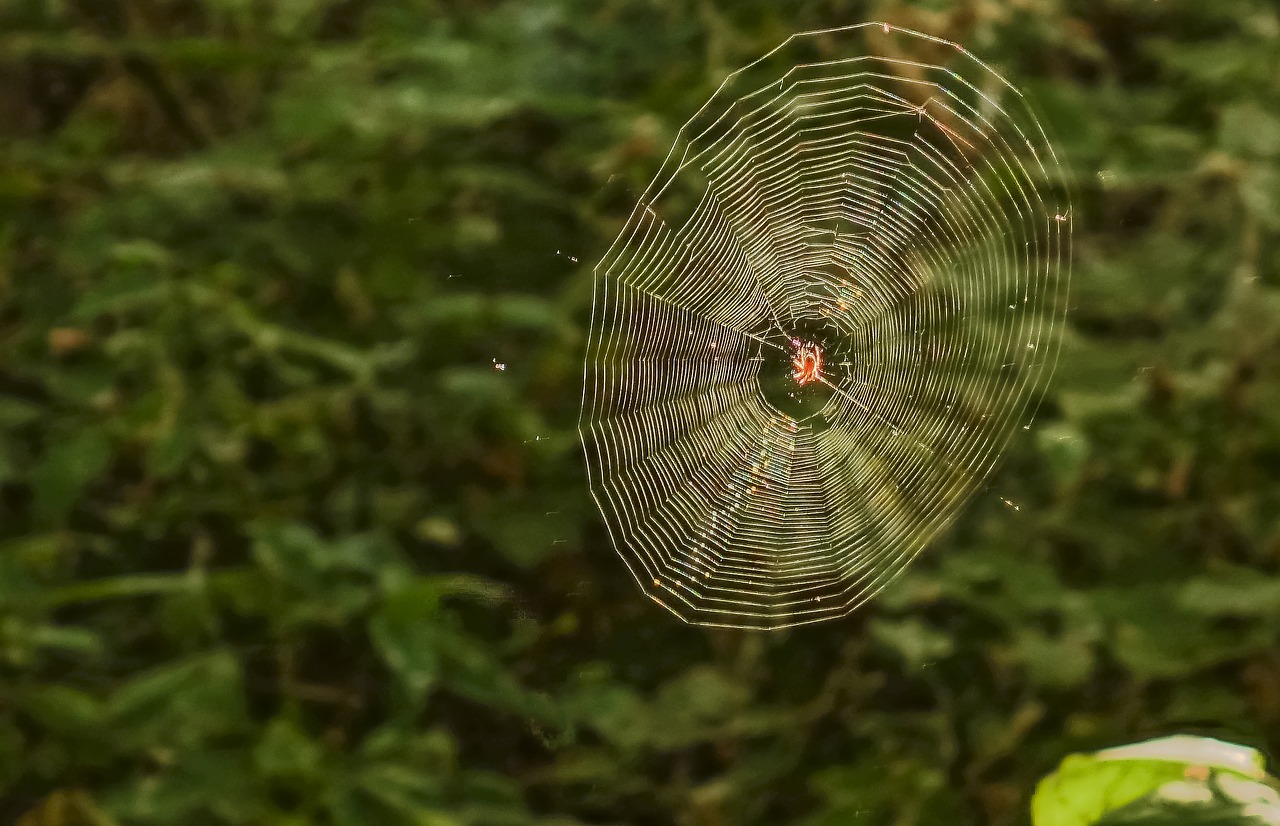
806	363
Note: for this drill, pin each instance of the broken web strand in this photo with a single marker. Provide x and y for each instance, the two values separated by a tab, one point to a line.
901	208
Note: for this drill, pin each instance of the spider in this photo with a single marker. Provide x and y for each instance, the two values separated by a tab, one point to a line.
807	362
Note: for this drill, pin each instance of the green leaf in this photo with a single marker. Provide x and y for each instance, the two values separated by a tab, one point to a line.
67	468
1085	787
1260	192
171	450
84	642
913	640
292	553
527	312
213	786
529	529
688	706
119	587
404	790
476	386
471	668
1233	592
1065	449
1248	130
65	710
181	702
405	632
285	751
15	412
1151	634
1056	661
325	581
127	290
614	709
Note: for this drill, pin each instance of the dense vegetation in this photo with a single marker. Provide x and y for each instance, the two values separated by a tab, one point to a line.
281	546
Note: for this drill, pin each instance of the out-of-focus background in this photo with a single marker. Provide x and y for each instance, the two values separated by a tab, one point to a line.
282	545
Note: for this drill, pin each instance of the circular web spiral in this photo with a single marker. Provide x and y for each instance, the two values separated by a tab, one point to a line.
826	317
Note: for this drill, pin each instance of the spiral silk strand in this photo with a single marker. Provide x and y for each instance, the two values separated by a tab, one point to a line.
836	303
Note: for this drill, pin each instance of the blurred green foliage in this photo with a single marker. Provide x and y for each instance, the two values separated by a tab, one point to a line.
281	544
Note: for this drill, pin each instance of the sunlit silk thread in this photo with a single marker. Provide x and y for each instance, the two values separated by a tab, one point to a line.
838	300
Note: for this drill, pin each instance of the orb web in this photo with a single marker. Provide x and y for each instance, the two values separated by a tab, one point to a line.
826	317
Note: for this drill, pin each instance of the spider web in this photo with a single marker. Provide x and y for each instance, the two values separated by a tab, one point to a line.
907	218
